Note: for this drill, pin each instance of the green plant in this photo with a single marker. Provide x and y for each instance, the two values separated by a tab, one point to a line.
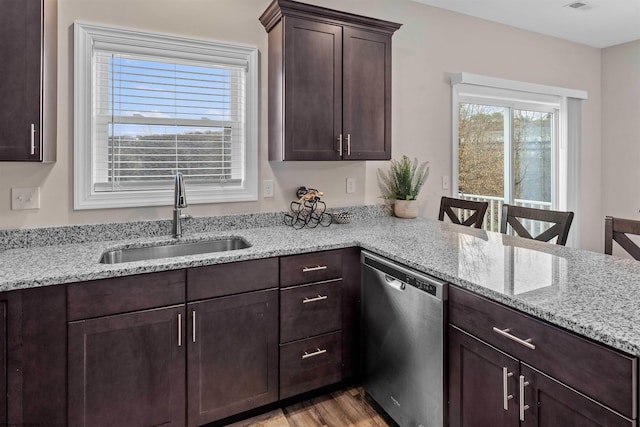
403	180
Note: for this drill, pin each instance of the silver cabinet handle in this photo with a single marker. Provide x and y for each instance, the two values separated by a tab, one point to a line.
340	144
318	352
194	326
348	144
318	298
505	388
33	139
505	333
523	407
179	330
316	268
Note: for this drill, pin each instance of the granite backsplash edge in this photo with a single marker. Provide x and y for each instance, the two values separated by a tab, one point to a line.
83	233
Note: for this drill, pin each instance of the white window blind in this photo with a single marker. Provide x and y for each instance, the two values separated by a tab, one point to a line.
149	105
154	117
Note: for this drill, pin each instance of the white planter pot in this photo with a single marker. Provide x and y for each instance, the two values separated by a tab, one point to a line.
405	208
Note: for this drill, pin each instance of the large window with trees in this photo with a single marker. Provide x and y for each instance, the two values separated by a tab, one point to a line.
506	154
516	143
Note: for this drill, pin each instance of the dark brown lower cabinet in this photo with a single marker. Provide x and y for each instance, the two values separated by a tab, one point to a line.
33	360
128	369
232	355
489	388
553	404
476	389
309	364
3	363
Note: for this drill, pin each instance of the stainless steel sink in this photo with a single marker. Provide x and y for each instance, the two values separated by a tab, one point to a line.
173	250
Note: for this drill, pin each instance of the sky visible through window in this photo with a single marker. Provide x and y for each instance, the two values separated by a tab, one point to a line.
165	117
155	89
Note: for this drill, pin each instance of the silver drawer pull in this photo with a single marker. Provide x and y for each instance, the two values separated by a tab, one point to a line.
523	407
316	268
505	388
318	298
194	326
505	333
318	352
33	139
179	330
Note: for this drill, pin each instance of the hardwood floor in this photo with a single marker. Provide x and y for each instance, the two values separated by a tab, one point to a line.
344	408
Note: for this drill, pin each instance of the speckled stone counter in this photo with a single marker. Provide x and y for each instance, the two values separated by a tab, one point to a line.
592	294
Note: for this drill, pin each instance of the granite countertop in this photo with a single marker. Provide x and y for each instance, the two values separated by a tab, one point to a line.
594	295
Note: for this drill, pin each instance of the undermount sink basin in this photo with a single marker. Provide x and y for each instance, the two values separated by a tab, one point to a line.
173	250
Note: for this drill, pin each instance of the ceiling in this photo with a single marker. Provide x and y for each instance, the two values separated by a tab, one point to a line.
600	23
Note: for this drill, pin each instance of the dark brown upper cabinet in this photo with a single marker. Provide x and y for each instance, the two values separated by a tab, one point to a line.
329	84
28	35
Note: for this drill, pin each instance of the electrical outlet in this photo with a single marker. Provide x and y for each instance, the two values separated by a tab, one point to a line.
267	188
445	182
25	198
351	185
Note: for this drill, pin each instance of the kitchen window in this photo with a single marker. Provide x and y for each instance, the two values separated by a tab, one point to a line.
148	106
516	143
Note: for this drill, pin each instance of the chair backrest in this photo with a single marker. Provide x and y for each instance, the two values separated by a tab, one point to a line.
448	204
561	220
617	229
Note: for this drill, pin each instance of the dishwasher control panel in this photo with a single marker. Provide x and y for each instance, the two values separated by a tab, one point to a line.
424	283
427	287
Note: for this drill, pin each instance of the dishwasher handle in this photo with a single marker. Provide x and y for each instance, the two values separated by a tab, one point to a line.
395	283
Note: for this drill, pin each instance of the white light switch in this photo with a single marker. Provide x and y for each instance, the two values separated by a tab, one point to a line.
25	198
267	188
445	182
351	185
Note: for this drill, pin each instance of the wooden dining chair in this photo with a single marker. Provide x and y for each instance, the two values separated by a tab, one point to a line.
448	204
561	222
617	229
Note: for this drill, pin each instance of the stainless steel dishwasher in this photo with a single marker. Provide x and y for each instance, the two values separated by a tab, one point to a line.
403	332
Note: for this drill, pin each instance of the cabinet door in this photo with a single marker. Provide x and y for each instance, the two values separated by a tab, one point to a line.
233	355
367	95
552	404
128	369
3	363
44	356
477	386
20	41
351	298
313	90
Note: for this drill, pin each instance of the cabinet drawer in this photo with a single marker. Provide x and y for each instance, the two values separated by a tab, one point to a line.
228	279
103	297
310	310
309	364
601	373
308	268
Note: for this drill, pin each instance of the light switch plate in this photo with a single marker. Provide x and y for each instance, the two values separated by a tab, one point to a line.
267	188
351	185
445	182
25	198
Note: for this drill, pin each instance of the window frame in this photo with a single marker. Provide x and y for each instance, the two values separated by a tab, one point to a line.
87	36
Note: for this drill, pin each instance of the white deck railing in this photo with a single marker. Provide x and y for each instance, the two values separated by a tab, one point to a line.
494	212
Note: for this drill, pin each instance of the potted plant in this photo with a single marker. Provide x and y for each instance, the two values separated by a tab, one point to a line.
402	183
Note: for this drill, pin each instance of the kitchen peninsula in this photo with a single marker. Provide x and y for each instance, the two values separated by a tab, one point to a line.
590	294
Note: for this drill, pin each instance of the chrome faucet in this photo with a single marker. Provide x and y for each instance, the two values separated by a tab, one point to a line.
180	201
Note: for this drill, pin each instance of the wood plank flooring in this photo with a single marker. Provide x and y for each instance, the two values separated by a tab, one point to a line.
344	408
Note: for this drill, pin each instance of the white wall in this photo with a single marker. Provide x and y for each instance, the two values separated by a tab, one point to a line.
621	131
431	44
